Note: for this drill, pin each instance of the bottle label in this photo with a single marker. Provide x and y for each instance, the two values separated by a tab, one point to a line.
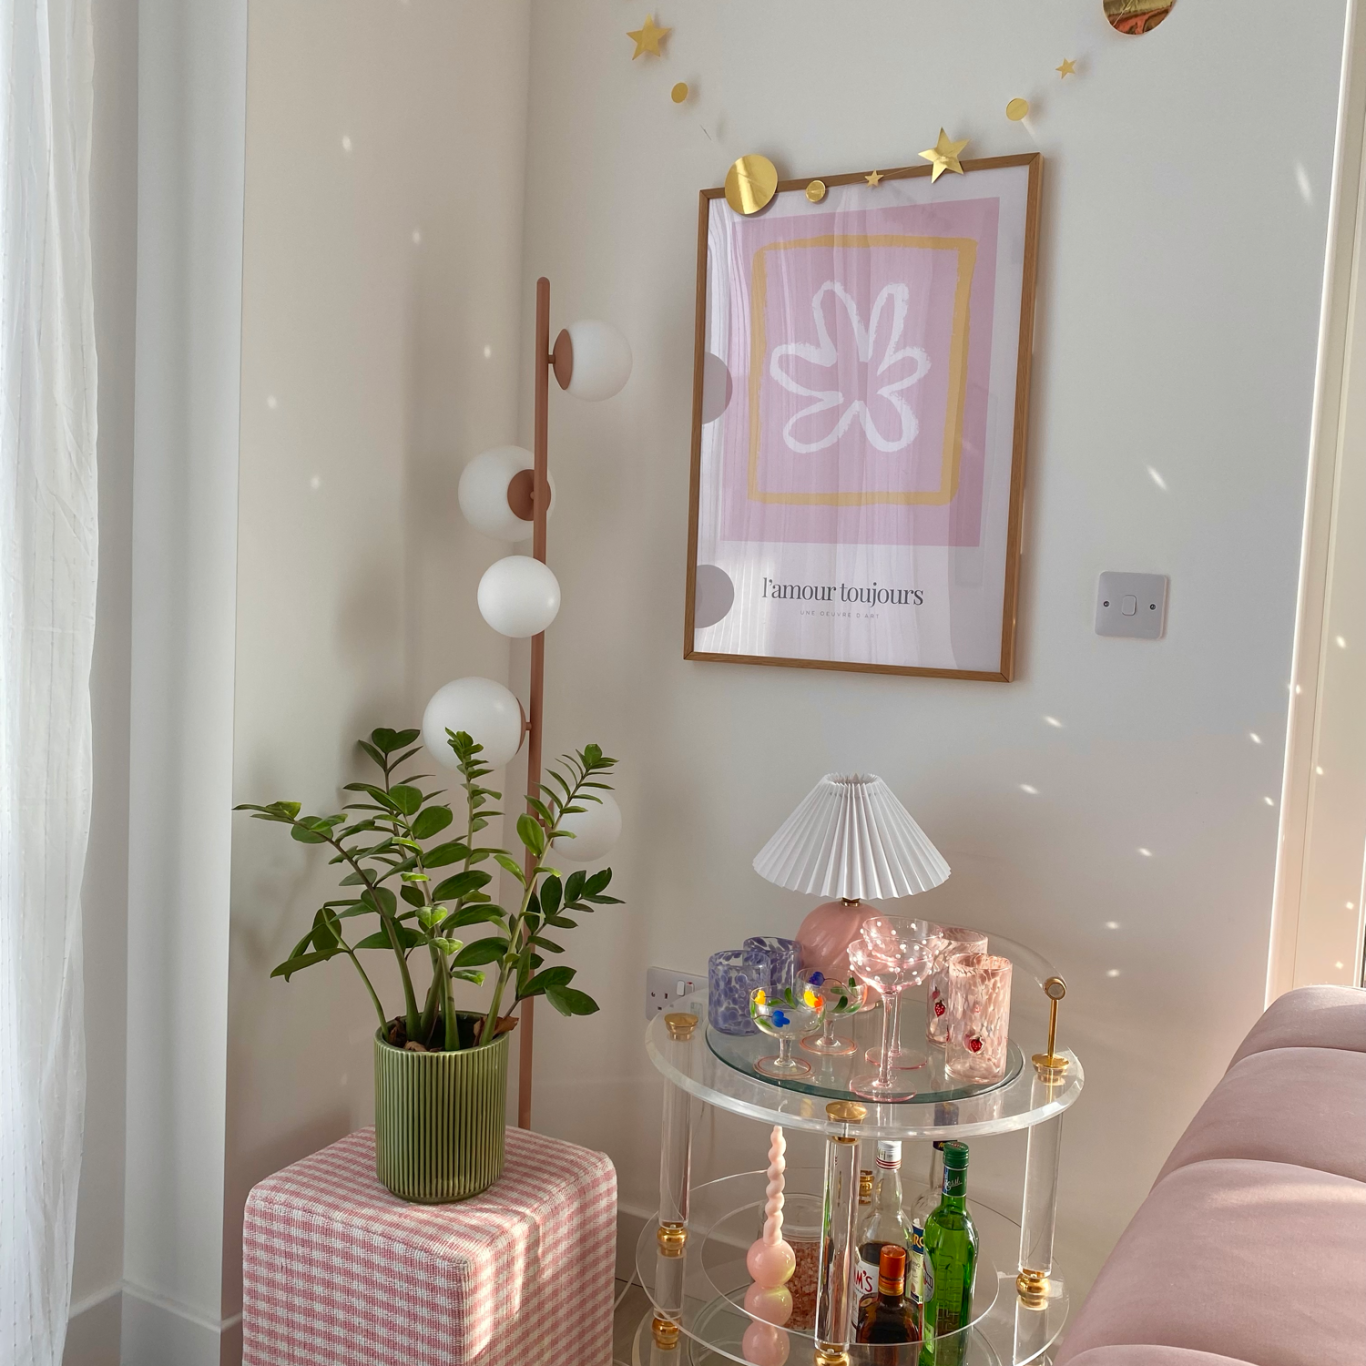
865	1280
915	1267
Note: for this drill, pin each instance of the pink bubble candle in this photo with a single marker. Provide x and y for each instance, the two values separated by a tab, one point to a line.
770	1260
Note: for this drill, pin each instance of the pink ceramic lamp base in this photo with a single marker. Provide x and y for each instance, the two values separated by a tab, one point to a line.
825	936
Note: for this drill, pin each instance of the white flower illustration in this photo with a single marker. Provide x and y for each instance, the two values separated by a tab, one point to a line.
883	333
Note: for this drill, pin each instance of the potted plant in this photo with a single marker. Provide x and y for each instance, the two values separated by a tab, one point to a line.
440	1072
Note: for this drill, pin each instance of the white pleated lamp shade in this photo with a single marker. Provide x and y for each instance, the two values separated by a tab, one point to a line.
851	838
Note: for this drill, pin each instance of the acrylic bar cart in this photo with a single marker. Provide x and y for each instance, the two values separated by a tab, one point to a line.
691	1258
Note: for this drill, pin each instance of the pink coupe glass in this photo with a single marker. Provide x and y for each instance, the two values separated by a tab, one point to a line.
908	963
892	935
956	940
979	1017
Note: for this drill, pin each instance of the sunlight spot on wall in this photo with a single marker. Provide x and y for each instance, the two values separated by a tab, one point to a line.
1341	642
1112	924
1114	972
1302	180
1351	905
1337	965
1157	479
1147	853
346	142
316	482
1269	801
1033	791
417	236
1054	722
1254	737
488	353
272	402
1318	768
1298	690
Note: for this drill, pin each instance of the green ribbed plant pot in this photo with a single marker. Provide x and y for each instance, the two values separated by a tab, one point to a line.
439	1120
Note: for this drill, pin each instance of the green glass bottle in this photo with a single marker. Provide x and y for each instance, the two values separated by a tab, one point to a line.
951	1255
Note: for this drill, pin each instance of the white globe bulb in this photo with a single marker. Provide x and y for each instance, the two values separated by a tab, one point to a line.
595	829
602	360
486	711
519	596
483	493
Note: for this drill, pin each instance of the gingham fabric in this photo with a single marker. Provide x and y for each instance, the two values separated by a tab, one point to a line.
338	1272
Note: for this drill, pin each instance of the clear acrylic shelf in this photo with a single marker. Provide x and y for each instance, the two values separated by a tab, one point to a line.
724	1218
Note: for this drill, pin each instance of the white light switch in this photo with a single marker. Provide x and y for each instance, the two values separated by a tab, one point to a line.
1131	605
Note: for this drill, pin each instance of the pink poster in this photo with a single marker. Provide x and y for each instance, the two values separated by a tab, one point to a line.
859	356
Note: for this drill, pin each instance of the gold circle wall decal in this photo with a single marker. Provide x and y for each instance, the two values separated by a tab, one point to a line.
751	183
1016	110
1137	16
679	93
815	191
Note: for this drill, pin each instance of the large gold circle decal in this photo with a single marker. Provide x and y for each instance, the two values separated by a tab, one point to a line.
750	184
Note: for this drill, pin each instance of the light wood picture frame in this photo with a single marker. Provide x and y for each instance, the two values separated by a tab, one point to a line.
860	409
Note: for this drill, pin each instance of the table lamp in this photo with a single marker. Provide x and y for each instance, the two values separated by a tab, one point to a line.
850	839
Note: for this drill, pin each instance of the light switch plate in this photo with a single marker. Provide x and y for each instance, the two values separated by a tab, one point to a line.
1131	605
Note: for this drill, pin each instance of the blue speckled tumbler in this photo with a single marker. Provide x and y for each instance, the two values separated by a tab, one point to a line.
731	975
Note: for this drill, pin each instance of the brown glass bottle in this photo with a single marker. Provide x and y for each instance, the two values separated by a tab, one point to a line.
888	1317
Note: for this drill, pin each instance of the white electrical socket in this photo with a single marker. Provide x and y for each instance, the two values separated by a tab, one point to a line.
664	986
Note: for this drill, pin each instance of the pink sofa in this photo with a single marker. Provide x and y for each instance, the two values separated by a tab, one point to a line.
1251	1246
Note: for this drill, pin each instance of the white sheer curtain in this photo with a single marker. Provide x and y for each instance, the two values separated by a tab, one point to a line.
47	624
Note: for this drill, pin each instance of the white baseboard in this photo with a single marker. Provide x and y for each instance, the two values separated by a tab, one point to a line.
158	1331
93	1330
127	1325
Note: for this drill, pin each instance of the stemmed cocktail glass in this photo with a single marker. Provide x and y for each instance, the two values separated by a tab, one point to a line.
841	998
908	963
893	936
785	1015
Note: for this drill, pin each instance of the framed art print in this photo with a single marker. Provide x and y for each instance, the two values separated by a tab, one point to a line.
860	401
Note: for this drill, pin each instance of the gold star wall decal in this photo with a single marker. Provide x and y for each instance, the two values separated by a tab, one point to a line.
873	178
1068	68
648	39
944	156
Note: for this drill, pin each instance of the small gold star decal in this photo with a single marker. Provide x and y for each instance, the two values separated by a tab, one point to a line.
873	178
944	155
648	39
1068	68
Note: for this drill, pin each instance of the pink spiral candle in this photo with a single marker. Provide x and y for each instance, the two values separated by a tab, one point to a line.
770	1260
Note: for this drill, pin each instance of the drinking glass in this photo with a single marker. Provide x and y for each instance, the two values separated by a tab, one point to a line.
785	1016
909	963
888	934
784	958
841	998
956	940
979	1017
732	976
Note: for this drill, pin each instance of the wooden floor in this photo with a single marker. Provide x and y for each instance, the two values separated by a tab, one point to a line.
629	1314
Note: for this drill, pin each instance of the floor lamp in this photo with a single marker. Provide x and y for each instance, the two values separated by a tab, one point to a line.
504	493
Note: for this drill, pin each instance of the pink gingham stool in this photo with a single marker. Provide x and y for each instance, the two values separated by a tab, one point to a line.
338	1271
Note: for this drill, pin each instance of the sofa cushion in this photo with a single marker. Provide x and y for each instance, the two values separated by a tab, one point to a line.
1310	1017
1305	1106
1262	1262
1149	1354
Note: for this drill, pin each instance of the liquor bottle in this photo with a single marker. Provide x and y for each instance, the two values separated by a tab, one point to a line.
919	1276
888	1317
884	1224
951	1257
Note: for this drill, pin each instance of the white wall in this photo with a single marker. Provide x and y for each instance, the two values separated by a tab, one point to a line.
1186	185
191	116
379	348
94	1335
